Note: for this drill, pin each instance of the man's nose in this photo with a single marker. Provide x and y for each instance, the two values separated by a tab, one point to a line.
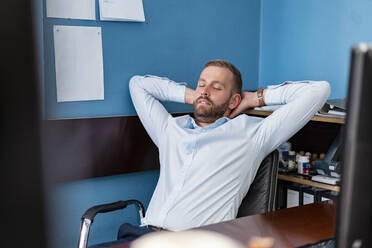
205	92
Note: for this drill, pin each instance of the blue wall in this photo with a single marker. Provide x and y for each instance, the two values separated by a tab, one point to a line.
176	40
312	39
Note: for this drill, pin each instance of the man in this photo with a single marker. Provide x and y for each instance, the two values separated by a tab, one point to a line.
208	161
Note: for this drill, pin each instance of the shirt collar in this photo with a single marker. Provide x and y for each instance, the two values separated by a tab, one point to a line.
190	123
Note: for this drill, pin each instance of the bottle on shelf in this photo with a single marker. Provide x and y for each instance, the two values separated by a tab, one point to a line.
303	165
292	160
284	153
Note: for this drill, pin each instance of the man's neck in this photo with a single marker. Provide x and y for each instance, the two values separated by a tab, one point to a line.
203	122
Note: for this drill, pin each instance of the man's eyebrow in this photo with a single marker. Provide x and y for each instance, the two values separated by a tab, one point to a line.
213	82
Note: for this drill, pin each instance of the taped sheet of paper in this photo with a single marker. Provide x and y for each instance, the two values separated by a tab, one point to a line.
121	10
79	63
71	9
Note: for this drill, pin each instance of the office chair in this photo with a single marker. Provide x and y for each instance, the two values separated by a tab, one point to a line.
261	195
259	199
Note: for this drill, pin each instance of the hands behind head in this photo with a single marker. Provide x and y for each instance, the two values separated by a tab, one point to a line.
249	100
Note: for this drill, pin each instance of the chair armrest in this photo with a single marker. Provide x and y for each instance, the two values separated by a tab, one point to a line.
109	207
88	216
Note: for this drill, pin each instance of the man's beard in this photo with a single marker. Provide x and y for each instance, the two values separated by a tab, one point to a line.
209	113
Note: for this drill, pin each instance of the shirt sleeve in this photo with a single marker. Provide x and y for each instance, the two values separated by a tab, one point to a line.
146	93
300	100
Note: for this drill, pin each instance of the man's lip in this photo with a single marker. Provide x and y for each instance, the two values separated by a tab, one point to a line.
204	101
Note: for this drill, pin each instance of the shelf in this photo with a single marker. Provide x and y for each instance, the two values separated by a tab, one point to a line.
314	118
299	180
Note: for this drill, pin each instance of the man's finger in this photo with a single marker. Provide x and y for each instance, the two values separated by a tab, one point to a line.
234	113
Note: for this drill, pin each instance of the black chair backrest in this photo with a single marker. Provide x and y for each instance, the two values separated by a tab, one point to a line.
262	192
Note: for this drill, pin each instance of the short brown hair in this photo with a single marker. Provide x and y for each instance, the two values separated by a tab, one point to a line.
230	67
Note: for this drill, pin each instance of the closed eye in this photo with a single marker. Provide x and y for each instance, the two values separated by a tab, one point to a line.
217	86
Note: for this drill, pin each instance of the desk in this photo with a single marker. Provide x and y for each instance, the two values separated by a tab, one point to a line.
289	227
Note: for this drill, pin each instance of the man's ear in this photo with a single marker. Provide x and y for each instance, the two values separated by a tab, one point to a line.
235	101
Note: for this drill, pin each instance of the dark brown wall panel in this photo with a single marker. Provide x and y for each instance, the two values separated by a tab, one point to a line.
83	148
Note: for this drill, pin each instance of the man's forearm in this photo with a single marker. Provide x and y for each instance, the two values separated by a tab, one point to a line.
289	91
300	100
252	99
248	100
162	89
146	93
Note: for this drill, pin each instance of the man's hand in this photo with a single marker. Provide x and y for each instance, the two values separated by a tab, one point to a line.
189	96
249	100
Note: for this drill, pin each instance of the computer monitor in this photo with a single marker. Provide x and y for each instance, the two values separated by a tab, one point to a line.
22	216
354	215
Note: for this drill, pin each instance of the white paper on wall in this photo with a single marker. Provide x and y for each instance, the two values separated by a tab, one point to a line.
73	9
121	10
79	63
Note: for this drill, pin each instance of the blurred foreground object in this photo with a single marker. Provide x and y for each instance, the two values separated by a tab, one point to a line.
186	239
259	242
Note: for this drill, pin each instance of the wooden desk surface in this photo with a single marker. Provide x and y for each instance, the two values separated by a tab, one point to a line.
291	227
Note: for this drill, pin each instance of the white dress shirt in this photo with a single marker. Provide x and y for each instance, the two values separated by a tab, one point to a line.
205	172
